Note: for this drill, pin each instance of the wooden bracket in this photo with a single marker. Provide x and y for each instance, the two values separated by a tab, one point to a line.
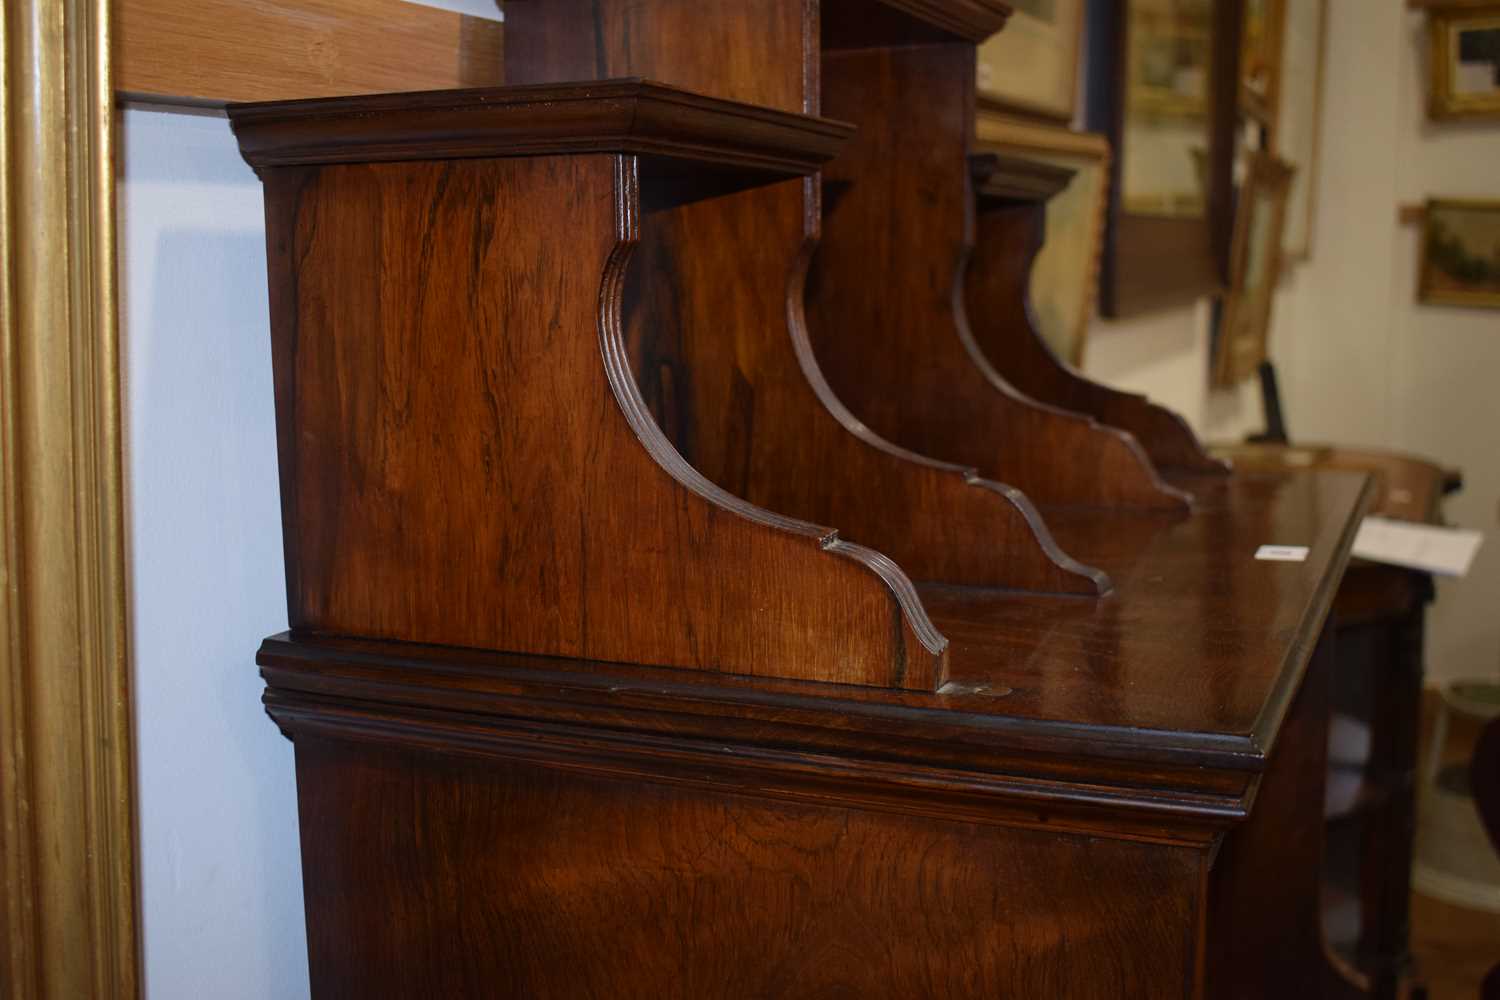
717	331
1010	195
465	457
886	298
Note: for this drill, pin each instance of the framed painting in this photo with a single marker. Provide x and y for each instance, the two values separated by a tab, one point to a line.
1064	276
1460	254
1162	87
1294	133
1260	58
1465	63
1031	68
1254	269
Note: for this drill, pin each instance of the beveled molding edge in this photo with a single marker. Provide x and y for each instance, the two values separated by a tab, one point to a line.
974	20
773	772
627	116
899	728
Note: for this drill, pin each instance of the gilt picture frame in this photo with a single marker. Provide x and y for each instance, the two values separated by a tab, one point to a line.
1460	259
1295	134
1464	45
1031	68
1255	269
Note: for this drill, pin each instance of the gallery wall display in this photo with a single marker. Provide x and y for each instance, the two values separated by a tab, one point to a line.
1460	262
1031	67
1064	276
1465	61
1254	269
1162	87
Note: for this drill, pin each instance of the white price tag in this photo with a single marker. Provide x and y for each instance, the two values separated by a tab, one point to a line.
1282	553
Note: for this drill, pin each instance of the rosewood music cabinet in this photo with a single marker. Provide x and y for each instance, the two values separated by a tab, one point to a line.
684	604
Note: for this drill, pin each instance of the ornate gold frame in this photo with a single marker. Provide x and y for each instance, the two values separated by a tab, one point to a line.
67	826
1427	295
1442	102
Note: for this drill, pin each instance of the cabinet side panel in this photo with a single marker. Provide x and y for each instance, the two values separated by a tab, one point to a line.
445	876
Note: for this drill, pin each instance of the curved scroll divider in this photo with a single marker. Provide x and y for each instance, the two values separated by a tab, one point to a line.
710	315
886	294
622	382
718	335
462	466
1010	228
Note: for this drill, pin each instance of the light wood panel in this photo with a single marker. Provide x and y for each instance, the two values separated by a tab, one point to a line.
213	51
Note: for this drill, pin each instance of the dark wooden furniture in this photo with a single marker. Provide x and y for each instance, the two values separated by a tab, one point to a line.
1378	623
1484	778
576	715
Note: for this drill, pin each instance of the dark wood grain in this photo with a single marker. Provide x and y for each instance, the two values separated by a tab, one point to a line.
605	116
446	877
1264	926
466	459
1011	195
885	294
714	315
1065	684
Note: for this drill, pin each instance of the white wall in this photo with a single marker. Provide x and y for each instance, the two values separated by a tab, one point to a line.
1360	363
220	879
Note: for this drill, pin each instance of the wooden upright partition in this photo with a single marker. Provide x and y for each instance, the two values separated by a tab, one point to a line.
715	318
886	300
1010	203
465	458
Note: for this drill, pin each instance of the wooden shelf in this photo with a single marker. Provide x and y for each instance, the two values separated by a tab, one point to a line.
632	116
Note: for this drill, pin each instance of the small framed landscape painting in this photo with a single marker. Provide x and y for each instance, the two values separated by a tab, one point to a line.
1031	67
1465	62
1461	254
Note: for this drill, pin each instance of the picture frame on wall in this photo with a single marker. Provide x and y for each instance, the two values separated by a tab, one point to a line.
1163	89
1031	68
1465	62
1064	276
1295	132
1260	58
1460	261
1255	267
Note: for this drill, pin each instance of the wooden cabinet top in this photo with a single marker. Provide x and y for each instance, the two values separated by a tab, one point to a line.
1166	695
608	116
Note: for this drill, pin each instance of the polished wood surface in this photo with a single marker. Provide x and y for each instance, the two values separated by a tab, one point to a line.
1096	684
213	51
508	825
885	293
465	458
1010	225
713	309
480	878
572	720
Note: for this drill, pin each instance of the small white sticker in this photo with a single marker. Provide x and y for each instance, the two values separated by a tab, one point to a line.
1282	553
